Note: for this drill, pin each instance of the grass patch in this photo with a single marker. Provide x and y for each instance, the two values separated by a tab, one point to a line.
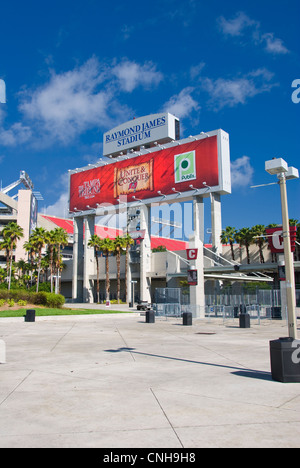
44	312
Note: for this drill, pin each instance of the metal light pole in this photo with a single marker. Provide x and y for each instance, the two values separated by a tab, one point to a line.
279	167
285	368
289	261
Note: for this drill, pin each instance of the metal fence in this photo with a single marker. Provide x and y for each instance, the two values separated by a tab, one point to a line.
262	305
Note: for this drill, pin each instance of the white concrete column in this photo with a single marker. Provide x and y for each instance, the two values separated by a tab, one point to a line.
145	255
23	220
89	260
197	296
77	291
129	297
216	223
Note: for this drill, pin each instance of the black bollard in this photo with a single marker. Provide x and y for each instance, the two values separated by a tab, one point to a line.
244	317
187	318
285	365
150	316
30	315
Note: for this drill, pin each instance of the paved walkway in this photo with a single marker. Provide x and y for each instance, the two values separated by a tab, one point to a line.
115	381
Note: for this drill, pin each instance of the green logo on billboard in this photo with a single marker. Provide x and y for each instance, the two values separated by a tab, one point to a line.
185	167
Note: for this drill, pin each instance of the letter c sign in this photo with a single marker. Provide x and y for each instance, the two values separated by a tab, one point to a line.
192	254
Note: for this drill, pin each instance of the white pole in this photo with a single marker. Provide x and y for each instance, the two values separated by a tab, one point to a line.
289	262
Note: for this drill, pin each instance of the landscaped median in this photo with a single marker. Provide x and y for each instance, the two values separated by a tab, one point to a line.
44	311
14	303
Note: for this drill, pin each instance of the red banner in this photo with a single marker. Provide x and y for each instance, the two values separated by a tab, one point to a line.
275	239
144	176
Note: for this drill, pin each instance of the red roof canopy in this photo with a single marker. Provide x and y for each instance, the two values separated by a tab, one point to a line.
104	231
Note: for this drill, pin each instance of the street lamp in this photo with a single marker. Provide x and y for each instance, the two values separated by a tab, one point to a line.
280	168
283	366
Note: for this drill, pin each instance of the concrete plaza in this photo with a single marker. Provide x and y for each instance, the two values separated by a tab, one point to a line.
115	381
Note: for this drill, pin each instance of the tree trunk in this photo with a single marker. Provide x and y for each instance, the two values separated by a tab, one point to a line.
107	277
98	286
232	251
118	275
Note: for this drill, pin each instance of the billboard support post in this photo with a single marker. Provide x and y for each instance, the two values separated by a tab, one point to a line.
78	250
197	297
145	265
88	261
216	223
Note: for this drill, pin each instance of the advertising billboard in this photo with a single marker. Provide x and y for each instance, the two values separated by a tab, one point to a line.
176	172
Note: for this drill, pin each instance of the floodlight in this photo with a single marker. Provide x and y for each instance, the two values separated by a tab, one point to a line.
292	173
276	166
176	191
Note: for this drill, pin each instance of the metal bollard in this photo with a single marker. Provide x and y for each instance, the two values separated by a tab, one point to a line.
187	318
30	315
244	321
150	316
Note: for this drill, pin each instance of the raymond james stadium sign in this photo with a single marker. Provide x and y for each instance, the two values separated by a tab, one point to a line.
141	131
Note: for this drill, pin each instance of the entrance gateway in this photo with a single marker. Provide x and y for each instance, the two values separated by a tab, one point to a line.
145	163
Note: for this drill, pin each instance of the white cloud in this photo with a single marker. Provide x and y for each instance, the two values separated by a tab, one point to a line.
60	208
69	103
274	45
241	24
233	91
131	75
16	134
241	172
72	102
182	104
237	25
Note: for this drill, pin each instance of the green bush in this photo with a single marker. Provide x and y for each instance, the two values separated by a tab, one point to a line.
4	294
22	303
24	297
19	295
38	298
43	287
55	300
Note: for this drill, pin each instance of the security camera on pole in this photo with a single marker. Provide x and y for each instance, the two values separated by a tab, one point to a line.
285	365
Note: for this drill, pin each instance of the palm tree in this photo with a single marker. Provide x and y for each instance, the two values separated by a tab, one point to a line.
51	242
38	241
61	240
128	241
118	245
259	232
12	233
245	237
228	237
5	245
106	246
28	246
95	242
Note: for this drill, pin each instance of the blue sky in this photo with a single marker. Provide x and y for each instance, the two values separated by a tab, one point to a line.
74	70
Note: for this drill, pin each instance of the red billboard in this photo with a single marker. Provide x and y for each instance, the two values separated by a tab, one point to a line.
167	171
